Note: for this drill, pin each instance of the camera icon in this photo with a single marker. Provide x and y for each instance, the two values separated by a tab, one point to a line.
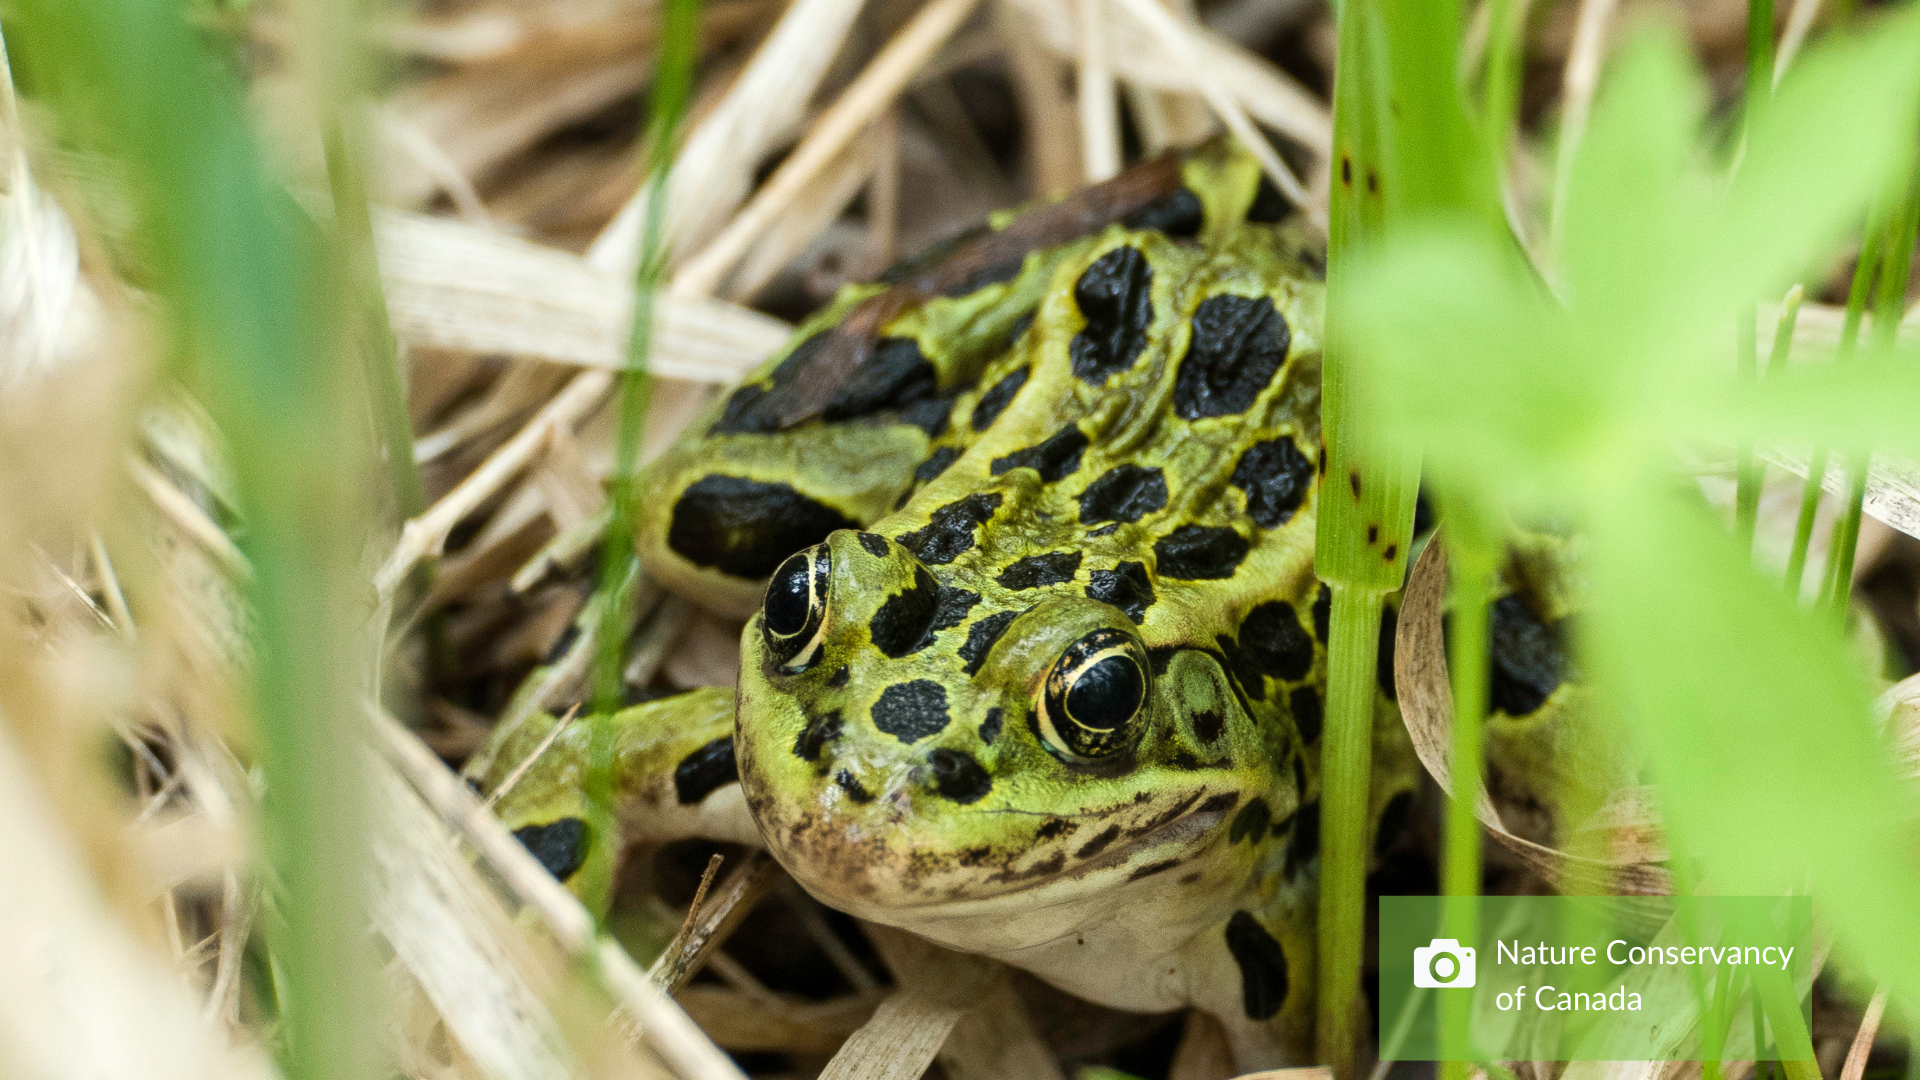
1443	963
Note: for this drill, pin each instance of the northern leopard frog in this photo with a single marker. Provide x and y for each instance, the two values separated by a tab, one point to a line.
1037	672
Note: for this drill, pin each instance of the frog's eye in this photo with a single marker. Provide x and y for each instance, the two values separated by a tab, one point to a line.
795	614
1093	696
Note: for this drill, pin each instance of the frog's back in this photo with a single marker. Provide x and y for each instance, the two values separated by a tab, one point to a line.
1153	434
884	390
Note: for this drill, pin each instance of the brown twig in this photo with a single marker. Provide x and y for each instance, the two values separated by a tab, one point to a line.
1856	1065
707	926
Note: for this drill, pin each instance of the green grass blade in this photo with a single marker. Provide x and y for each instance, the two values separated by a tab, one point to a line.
1896	260
1759	88
619	565
1404	149
1759	57
1746	499
378	347
1345	776
230	256
1473	563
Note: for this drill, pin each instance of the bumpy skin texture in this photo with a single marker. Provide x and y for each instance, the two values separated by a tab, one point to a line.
1108	459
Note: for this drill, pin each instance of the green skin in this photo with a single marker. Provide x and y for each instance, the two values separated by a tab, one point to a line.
1170	865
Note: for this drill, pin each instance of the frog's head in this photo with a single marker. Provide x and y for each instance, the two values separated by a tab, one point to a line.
1010	764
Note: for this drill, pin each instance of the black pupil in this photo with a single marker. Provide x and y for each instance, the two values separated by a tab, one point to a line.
787	600
1107	694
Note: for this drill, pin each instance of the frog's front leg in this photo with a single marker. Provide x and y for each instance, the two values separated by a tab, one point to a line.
674	778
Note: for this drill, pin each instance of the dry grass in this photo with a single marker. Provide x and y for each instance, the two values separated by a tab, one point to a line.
132	893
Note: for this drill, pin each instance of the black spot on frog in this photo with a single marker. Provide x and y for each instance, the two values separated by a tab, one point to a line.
1263	966
1268	204
1178	214
1304	704
1052	459
1528	658
855	789
935	464
560	846
990	726
1115	295
707	768
1251	822
1125	493
949	530
1034	571
957	776
1239	343
1199	552
1126	587
981	636
997	398
911	711
1271	643
752	409
818	732
894	376
745	528
904	621
1099	843
1303	845
1276	476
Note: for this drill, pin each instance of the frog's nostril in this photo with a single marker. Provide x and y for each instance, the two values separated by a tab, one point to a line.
958	776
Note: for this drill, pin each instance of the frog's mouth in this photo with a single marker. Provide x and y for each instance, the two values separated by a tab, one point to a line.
1173	841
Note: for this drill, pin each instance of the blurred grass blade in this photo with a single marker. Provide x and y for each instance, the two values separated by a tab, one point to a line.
232	261
1816	161
1759	58
1817	466
619	565
1747	469
1473	568
1896	260
1738	721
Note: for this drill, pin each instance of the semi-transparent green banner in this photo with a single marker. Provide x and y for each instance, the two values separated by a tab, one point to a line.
1595	978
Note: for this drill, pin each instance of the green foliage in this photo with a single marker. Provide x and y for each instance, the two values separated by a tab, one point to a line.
1566	401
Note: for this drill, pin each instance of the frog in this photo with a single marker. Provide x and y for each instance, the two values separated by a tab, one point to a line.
1034	655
